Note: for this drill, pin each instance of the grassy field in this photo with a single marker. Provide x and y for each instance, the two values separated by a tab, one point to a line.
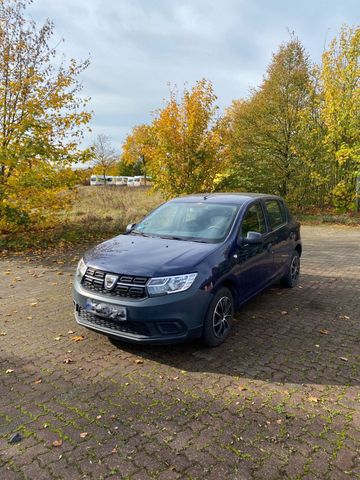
97	213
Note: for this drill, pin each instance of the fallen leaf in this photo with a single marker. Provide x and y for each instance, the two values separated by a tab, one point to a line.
284	312
138	361
70	332
68	360
344	317
344	359
39	380
313	399
78	338
33	304
57	338
114	450
324	331
9	370
242	388
84	434
98	417
29	318
279	421
2	334
57	443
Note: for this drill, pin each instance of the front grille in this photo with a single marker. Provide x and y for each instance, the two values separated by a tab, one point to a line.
127	286
135	328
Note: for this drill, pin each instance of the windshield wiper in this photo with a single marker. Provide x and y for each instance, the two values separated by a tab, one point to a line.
172	237
136	232
198	240
184	239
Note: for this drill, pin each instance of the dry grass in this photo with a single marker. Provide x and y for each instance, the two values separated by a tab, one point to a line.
110	209
97	213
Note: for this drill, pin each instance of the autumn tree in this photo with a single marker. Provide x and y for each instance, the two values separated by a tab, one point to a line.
340	78
136	149
42	117
185	154
104	155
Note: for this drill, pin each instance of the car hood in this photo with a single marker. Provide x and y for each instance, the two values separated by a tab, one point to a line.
147	256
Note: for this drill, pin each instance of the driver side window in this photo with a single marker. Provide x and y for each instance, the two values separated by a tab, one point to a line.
254	220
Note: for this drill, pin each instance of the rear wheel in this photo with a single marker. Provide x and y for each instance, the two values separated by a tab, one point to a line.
291	279
219	318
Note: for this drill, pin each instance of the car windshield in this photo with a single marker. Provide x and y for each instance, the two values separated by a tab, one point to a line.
202	222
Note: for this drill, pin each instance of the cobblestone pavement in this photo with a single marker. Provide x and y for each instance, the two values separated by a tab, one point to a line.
280	399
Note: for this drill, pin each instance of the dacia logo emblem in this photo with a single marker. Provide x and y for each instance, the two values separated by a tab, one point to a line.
110	281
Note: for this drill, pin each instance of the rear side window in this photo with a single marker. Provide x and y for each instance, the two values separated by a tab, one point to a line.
277	214
254	220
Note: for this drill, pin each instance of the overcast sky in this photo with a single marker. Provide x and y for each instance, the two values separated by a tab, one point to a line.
138	46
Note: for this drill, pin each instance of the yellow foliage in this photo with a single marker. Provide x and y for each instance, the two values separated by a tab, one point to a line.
42	119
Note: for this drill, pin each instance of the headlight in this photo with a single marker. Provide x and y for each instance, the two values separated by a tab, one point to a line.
81	269
164	285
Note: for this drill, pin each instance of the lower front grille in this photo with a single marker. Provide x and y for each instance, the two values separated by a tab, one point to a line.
135	328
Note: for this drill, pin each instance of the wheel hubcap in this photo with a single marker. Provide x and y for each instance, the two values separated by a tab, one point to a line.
222	316
295	268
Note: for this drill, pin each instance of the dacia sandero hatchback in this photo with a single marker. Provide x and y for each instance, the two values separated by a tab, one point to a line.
184	270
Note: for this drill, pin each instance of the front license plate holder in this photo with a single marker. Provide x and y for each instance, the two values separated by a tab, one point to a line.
106	310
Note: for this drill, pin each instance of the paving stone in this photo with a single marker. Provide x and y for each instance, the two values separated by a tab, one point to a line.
275	401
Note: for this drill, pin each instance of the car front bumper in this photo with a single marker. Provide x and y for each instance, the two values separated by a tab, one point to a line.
153	320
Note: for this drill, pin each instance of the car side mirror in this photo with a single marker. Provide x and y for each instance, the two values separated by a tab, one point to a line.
130	227
252	238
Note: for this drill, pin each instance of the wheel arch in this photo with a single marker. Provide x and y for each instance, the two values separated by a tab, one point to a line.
231	285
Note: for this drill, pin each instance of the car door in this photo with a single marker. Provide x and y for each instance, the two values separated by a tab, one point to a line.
279	234
254	262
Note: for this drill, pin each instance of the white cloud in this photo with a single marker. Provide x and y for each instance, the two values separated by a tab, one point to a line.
138	46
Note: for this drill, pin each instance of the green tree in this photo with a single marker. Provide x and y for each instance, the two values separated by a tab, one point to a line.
129	170
41	117
264	131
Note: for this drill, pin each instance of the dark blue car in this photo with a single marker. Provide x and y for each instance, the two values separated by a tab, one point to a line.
184	269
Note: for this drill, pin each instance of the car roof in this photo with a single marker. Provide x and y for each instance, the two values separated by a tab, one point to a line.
233	198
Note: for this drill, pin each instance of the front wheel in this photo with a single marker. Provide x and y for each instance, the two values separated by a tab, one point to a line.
219	318
291	278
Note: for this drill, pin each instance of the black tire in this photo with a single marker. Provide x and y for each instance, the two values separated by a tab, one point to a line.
290	280
219	318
